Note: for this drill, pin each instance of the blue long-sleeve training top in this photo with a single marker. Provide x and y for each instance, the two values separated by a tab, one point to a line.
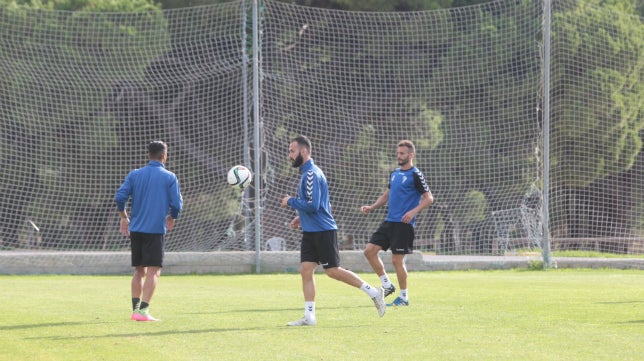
312	201
155	194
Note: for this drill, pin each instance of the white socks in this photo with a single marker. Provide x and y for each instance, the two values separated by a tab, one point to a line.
309	310
372	292
385	281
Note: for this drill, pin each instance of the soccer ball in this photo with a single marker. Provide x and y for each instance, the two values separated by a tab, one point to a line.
239	177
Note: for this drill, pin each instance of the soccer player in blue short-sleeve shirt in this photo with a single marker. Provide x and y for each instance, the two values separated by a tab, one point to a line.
407	194
319	233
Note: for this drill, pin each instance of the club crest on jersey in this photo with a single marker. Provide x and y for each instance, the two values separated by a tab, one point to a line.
404	177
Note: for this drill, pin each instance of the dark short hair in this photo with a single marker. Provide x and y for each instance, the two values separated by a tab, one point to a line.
303	141
156	149
408	144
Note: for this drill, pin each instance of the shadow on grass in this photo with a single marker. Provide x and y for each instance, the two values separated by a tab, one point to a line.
170	332
630	322
50	324
254	310
188	332
158	333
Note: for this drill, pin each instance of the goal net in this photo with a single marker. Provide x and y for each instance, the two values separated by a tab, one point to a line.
597	116
82	93
463	84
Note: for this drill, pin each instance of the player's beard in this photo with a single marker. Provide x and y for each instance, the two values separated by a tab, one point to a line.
403	162
297	162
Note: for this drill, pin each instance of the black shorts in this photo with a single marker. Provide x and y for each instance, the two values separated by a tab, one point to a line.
147	249
398	236
321	248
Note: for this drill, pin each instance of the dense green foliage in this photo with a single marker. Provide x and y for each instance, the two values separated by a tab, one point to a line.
597	136
609	121
39	85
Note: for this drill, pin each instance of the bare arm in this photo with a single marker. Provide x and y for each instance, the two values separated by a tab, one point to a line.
124	224
381	201
426	200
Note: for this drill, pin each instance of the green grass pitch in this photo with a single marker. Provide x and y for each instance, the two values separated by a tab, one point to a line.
474	315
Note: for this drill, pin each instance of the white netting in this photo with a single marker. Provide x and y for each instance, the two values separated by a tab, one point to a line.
82	93
597	97
463	84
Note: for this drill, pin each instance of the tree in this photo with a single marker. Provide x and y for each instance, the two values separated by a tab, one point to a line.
485	88
46	56
597	115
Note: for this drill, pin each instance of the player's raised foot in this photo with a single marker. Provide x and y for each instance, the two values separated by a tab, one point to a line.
389	290
399	302
143	315
379	301
303	322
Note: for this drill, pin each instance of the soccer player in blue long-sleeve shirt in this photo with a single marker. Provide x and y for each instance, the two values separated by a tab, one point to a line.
156	204
319	233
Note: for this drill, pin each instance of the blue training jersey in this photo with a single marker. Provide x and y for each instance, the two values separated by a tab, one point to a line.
155	194
405	190
312	201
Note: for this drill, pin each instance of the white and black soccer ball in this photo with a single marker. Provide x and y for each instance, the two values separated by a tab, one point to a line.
239	177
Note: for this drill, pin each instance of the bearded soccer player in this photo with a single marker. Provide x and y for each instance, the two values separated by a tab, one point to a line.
407	195
319	233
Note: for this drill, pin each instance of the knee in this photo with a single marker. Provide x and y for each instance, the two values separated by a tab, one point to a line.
307	272
139	272
366	252
370	251
153	271
398	261
332	272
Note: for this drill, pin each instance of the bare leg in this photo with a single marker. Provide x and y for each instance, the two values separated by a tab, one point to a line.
371	253
308	281
151	278
398	261
307	271
344	275
350	278
137	282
